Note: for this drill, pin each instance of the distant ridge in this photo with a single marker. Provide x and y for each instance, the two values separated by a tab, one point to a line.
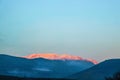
54	56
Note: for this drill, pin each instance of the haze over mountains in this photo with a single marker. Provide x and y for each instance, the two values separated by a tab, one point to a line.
55	67
41	67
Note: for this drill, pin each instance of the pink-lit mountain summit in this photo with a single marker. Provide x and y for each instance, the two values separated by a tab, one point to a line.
54	56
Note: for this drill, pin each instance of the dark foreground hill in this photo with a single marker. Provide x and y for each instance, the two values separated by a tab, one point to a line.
100	71
18	78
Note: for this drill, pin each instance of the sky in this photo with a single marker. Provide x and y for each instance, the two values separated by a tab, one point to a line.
87	28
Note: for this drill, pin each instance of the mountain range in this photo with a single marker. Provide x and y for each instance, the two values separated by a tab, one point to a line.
41	67
55	68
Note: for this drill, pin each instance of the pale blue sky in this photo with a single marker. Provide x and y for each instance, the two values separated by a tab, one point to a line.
88	28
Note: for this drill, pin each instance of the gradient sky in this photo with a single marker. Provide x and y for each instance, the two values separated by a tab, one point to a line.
88	28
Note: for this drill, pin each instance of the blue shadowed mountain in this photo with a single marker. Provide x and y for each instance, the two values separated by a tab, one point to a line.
40	67
99	72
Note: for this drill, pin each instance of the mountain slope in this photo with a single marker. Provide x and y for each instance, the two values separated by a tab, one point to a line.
40	67
100	71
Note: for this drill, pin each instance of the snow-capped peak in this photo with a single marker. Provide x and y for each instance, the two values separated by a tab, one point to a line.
54	56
